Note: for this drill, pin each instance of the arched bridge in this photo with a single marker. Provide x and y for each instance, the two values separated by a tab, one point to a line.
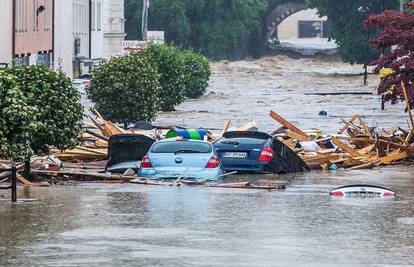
277	15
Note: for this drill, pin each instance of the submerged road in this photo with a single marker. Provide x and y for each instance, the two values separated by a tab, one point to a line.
133	225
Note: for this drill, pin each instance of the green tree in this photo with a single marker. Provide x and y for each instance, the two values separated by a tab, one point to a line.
197	74
126	88
58	110
216	28
346	26
59	114
17	119
170	65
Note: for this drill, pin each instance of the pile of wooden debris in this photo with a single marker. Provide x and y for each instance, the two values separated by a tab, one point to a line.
361	147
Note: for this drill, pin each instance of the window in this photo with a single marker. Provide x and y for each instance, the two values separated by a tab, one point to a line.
98	12
21	16
35	15
313	29
181	147
46	18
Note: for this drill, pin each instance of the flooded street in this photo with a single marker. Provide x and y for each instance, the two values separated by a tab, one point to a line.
134	225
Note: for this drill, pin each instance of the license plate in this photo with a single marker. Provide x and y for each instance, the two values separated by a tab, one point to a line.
237	155
363	195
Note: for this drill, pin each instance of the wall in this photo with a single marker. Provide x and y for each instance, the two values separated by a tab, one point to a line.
80	13
114	27
64	36
35	33
97	31
6	31
288	29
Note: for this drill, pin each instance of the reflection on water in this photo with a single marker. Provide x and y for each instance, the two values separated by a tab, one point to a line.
135	225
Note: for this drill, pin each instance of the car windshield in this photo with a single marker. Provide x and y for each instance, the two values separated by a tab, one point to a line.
242	141
181	147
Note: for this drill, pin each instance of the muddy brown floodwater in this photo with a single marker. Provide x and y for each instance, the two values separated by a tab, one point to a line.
132	225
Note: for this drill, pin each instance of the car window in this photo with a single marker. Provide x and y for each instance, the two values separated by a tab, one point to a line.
181	147
242	140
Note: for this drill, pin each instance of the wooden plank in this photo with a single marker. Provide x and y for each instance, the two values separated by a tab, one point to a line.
247	126
85	174
225	127
368	165
393	157
350	124
346	126
322	159
366	150
345	147
288	125
97	135
295	136
23	180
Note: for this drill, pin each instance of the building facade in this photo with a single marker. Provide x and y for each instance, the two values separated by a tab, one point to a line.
33	40
70	35
26	31
6	31
303	24
114	27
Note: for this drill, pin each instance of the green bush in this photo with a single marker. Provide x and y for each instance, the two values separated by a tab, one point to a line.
40	110
126	89
170	66
59	113
17	120
197	74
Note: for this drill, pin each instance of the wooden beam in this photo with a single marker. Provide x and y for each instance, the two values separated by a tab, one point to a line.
345	147
288	125
393	157
247	126
225	127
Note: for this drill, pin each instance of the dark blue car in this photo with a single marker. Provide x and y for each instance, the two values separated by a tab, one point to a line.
257	152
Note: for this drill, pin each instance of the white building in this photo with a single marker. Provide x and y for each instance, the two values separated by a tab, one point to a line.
84	32
307	33
97	31
6	31
303	24
114	27
63	37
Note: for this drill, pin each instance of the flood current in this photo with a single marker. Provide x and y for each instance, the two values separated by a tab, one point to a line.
133	225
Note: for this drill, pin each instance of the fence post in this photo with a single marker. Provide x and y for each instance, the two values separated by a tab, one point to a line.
13	181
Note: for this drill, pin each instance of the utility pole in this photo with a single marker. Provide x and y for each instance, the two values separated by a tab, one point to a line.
145	7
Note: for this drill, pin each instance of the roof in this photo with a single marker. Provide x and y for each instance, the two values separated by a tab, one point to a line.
181	139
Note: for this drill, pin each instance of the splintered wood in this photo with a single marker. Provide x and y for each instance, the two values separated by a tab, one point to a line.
362	147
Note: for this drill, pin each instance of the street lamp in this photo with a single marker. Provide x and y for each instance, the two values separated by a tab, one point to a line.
145	6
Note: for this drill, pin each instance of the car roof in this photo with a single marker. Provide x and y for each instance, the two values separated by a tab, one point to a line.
246	134
177	139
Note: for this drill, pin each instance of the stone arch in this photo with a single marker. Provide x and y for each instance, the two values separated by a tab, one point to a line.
277	16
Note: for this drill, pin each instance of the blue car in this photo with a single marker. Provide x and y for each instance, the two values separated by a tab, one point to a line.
174	158
257	152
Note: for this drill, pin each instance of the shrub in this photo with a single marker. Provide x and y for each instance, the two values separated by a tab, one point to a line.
17	120
59	112
197	74
170	66
126	88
